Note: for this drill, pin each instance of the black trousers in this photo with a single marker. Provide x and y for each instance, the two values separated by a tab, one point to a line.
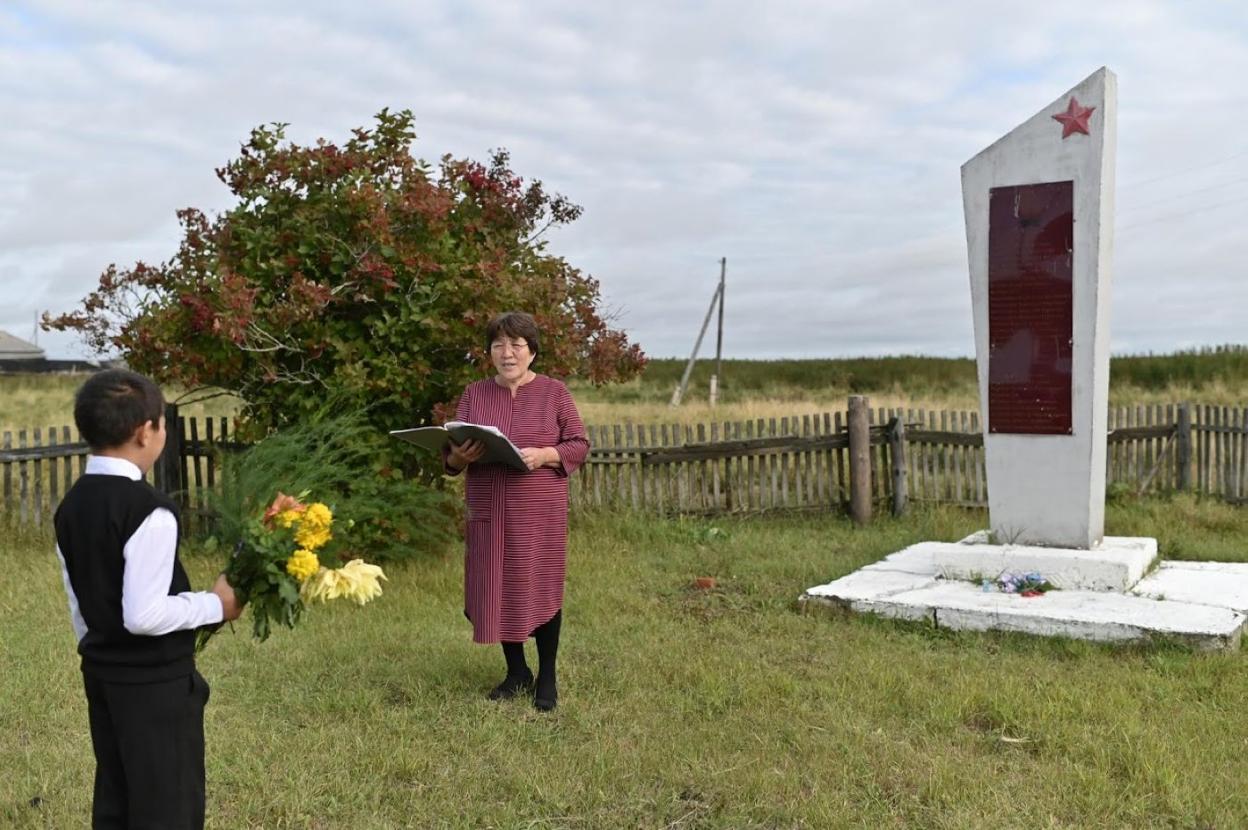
149	753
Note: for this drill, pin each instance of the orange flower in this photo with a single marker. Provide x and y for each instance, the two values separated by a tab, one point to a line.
281	504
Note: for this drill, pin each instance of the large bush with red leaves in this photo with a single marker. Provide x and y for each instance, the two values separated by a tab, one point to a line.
356	272
356	278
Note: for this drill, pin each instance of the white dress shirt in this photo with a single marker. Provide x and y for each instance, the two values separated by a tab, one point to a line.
146	606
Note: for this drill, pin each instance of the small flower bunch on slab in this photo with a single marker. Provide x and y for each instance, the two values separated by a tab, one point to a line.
1031	584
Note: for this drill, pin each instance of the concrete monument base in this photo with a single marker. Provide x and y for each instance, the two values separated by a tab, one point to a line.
1116	564
1201	603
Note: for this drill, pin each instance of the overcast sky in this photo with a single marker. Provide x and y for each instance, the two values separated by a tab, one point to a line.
816	145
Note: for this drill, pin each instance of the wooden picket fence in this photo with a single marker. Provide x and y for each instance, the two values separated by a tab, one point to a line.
36	470
802	462
795	463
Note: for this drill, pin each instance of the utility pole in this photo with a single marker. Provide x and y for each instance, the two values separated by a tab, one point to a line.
719	339
684	380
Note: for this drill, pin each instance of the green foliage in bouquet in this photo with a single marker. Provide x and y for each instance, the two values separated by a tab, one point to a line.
335	457
275	567
258	571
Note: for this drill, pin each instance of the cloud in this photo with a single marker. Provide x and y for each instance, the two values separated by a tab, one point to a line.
815	145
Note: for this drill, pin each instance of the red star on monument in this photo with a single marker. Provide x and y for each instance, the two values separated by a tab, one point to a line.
1074	119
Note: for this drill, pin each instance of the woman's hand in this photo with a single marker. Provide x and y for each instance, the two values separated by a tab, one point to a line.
535	457
461	455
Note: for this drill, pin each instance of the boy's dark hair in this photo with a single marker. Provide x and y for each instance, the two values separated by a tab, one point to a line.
514	324
112	404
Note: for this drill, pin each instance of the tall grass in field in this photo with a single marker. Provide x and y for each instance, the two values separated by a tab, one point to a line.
774	388
764	388
1214	366
752	379
29	400
679	708
752	389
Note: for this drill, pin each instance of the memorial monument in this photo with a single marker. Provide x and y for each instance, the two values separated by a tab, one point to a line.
1039	208
1039	211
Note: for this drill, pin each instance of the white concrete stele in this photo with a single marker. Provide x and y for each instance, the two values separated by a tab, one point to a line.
1050	489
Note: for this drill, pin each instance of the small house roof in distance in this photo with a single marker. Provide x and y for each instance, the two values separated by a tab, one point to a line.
15	348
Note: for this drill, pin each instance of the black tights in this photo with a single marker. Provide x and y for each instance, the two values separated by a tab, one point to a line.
547	637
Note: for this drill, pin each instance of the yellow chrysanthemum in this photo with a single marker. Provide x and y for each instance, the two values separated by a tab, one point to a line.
319	587
356	580
318	515
288	517
302	564
313	531
363	581
311	536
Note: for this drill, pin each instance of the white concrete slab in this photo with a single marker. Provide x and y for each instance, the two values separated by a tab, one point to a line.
1233	568
916	559
867	591
1202	603
1222	584
866	584
1116	564
914	612
1091	615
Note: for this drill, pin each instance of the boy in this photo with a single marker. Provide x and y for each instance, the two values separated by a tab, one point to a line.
134	614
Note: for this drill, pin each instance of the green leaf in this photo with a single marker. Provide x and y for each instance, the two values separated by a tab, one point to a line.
288	590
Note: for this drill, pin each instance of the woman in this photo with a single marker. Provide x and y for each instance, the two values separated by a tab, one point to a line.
517	535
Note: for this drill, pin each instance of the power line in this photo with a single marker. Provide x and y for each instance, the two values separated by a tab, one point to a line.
1184	171
1180	215
1130	206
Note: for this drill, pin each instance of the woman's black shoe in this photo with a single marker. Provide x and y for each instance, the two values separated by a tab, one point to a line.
512	685
545	696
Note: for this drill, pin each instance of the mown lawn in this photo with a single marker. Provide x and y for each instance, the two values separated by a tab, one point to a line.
679	708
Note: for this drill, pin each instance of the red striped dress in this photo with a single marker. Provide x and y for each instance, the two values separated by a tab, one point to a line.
517	535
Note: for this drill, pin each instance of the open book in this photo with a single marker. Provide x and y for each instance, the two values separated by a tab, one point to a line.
498	449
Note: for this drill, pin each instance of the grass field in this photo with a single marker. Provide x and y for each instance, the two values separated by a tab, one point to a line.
765	388
28	401
776	388
679	708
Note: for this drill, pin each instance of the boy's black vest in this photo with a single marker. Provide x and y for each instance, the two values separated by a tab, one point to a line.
98	516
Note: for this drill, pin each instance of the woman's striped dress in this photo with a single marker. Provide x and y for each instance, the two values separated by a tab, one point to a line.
517	536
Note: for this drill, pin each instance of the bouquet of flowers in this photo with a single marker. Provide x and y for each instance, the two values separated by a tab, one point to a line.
276	570
1031	584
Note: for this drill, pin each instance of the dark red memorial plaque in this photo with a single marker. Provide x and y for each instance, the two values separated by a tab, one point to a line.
1030	308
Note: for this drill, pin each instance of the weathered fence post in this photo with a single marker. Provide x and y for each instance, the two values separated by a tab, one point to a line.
859	459
897	450
1183	447
167	473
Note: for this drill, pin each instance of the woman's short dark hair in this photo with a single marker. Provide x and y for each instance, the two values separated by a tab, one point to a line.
514	324
112	404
